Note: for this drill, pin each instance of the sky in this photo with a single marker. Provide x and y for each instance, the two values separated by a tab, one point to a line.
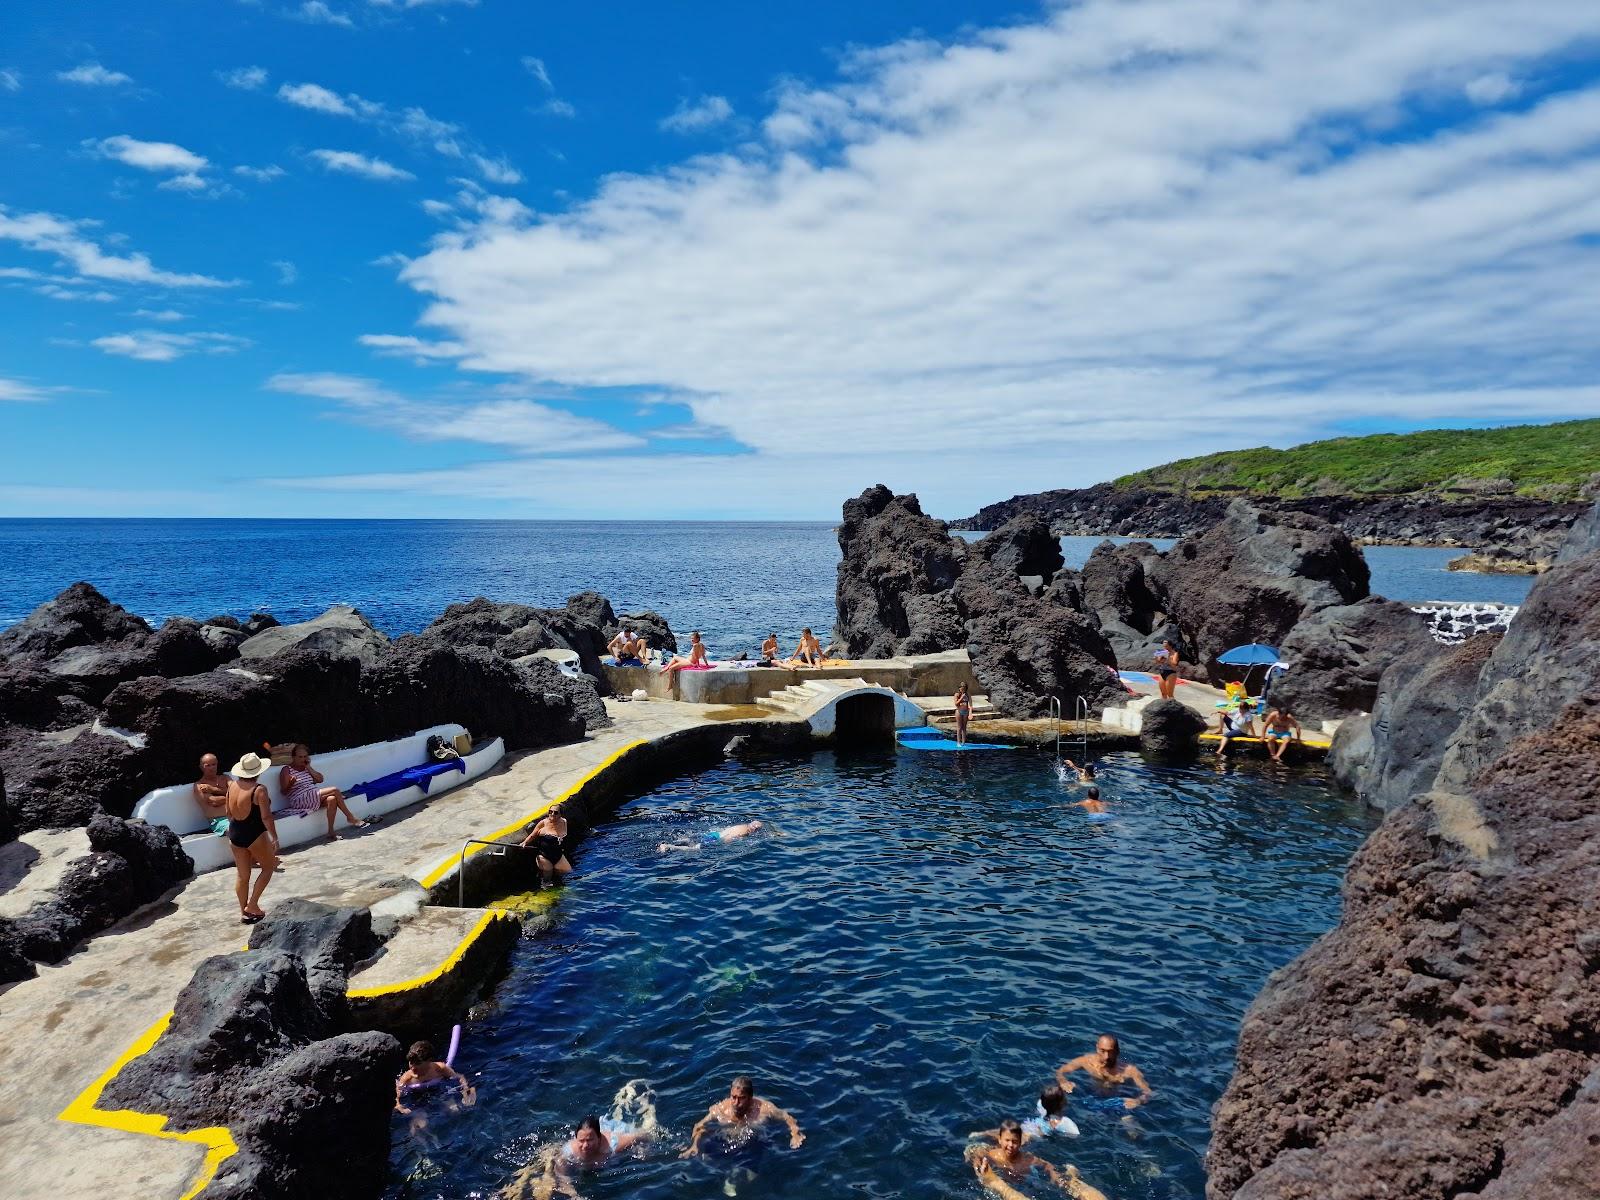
483	258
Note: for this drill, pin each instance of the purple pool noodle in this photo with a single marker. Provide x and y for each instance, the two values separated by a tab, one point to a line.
455	1044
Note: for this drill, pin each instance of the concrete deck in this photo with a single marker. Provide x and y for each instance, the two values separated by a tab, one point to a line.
71	1026
912	675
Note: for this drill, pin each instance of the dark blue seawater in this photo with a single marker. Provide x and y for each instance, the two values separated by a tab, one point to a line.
734	581
925	940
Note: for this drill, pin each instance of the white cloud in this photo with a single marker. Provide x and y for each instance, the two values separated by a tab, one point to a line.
405	346
270	305
315	12
92	74
148	156
497	170
47	233
348	162
315	97
524	427
288	273
57	292
261	174
161	314
1117	235
536	68
420	3
438	208
15	389
246	79
701	114
150	345
1492	88
557	108
10	81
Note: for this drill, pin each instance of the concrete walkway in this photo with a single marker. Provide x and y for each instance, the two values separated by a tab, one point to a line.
70	1026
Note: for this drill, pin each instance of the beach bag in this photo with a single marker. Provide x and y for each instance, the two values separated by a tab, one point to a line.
440	750
463	744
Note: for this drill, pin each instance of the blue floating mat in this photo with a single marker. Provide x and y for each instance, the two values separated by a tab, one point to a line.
929	737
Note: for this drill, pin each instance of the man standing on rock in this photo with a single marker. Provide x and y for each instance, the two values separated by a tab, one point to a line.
1105	1065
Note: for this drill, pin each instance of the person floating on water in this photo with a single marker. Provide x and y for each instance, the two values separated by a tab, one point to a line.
1091	802
1051	1119
963	703
1001	1166
742	1112
1105	1065
549	839
729	833
424	1075
1279	727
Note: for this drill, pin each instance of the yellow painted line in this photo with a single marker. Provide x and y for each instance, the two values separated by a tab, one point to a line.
1314	743
217	1141
449	865
488	918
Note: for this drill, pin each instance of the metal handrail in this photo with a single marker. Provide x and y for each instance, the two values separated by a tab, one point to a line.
1080	712
1055	716
461	863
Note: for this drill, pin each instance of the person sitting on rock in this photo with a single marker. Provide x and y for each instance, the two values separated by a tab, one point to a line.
1278	729
425	1075
301	784
1233	723
548	839
1105	1066
619	645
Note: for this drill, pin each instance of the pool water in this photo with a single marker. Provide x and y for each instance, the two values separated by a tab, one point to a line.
905	955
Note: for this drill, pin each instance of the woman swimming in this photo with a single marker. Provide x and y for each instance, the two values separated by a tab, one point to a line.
1000	1167
554	1172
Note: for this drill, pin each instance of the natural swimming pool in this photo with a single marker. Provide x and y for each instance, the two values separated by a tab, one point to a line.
919	944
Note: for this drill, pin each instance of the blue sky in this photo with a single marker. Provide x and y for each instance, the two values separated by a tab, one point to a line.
459	259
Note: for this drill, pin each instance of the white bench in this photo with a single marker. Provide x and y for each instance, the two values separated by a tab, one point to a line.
176	807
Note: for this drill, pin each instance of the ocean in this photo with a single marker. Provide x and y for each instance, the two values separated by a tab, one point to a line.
734	581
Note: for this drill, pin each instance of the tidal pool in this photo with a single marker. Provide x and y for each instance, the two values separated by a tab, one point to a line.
907	954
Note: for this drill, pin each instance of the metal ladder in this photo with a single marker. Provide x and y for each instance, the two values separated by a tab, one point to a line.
499	851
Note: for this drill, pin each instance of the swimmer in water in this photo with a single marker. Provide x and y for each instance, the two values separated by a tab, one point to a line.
743	1110
1000	1166
731	833
424	1076
1106	1066
1052	1120
554	1172
1091	802
1085	772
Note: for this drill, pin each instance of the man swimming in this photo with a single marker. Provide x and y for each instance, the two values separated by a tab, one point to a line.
1091	802
998	1166
1106	1066
743	1111
1085	772
729	833
1279	727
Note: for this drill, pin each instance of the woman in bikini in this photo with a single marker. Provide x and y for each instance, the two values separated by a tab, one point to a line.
963	703
252	834
301	784
697	660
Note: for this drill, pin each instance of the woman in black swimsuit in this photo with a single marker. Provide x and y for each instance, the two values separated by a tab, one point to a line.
1167	668
252	833
548	839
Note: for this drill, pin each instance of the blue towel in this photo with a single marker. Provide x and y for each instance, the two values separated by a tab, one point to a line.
399	781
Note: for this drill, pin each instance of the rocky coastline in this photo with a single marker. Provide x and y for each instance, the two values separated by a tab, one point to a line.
97	708
1510	533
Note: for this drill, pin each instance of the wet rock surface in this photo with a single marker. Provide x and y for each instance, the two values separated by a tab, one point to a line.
1444	1039
250	1047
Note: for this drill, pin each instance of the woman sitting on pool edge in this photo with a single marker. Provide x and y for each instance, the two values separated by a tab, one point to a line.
697	660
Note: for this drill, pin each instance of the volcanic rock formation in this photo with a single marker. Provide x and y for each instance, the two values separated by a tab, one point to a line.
1444	1040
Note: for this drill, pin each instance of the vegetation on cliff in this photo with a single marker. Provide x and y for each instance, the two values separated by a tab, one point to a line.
1543	462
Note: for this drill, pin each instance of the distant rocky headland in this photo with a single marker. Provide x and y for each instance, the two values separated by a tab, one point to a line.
1508	494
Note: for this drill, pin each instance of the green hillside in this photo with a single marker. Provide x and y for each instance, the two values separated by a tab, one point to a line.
1547	462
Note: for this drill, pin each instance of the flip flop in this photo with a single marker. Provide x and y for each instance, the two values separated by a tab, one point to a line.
252	918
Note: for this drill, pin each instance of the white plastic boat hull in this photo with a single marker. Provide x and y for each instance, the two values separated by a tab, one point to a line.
176	808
